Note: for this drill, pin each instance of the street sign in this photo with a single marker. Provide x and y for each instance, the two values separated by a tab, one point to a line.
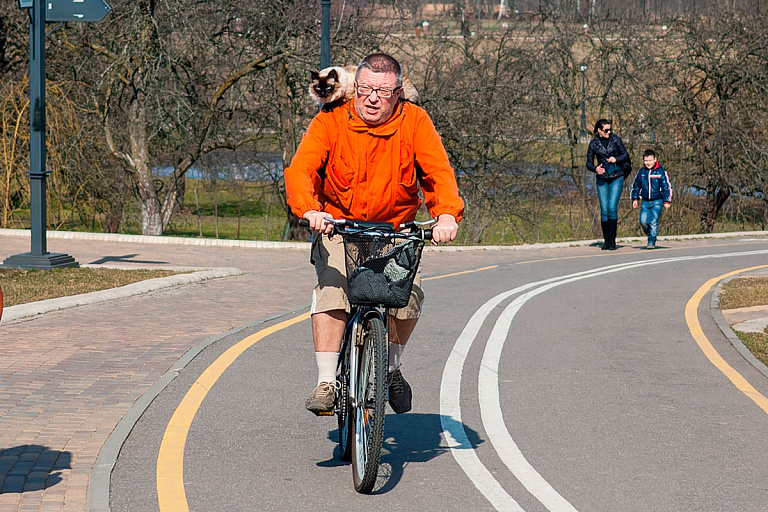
76	10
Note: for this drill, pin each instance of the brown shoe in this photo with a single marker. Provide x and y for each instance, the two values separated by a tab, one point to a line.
322	398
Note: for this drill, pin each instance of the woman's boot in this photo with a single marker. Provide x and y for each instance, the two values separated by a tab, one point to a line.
612	225
605	224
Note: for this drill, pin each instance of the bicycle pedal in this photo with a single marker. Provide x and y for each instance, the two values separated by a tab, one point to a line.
325	413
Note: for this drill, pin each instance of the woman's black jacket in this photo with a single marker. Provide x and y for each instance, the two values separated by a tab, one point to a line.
614	148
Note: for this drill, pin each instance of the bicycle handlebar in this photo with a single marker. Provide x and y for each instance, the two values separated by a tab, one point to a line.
340	226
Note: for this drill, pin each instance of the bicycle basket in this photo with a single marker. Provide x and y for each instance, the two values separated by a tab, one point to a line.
380	270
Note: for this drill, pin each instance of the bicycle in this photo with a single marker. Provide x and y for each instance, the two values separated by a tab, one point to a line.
381	266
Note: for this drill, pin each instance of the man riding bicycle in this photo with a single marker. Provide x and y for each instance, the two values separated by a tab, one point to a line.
367	159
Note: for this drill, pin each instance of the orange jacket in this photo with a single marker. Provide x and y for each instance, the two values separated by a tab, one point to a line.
353	171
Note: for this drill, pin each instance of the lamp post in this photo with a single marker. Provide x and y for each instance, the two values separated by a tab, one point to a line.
583	134
325	34
38	257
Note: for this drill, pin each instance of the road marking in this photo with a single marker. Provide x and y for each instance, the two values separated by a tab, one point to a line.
459	273
692	318
488	388
170	460
657	248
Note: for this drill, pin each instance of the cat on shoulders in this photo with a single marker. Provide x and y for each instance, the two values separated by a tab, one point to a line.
335	85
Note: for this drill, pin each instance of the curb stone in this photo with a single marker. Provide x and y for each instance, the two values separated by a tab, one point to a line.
717	314
44	306
218	242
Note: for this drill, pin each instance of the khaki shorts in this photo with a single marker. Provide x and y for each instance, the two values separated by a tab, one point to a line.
331	290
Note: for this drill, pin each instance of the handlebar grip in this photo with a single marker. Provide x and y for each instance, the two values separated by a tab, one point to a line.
427	234
304	222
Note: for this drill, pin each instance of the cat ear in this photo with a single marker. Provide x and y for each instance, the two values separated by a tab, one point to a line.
313	75
333	74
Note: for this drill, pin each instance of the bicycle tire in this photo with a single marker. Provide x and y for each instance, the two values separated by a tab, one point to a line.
368	413
343	407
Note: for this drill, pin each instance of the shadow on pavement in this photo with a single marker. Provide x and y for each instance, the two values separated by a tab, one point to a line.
408	438
32	467
128	258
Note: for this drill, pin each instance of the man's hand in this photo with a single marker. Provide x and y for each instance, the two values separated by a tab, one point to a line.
445	230
317	222
634	203
667	205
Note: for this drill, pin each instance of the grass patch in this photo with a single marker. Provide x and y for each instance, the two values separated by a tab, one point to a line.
757	343
744	292
22	286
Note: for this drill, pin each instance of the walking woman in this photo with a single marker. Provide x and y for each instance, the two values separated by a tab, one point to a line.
612	160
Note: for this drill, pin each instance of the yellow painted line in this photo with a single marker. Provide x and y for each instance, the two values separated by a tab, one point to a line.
692	318
170	459
460	273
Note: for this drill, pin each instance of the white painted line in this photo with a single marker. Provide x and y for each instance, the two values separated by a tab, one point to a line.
488	389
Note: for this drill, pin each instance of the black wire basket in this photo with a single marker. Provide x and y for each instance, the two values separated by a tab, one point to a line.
380	270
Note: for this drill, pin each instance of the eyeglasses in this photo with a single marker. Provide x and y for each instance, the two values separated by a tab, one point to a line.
381	92
606	130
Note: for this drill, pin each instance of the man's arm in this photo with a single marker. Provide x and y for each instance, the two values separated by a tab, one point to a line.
437	180
302	178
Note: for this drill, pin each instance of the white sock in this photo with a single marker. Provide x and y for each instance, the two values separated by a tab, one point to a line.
326	366
395	351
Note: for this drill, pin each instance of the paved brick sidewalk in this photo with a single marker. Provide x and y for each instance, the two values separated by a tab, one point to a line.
68	377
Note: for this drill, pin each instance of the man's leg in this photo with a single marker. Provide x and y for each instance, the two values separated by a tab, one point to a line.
327	331
399	334
329	316
400	323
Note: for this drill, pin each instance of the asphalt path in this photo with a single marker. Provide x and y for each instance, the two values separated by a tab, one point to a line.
549	380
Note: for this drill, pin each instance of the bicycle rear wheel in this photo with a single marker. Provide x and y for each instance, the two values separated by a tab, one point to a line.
343	411
368	412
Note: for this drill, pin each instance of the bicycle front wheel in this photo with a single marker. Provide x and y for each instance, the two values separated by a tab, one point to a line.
368	413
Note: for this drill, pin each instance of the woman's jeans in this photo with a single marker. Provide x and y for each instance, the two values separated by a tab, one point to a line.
609	192
650	213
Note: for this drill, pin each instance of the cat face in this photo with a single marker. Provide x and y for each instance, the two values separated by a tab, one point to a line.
324	86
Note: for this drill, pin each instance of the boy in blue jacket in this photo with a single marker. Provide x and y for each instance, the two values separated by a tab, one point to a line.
653	187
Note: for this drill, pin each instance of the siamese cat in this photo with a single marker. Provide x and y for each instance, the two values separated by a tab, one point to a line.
335	85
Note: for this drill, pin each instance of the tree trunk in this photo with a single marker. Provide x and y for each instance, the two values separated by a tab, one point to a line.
718	193
292	230
151	221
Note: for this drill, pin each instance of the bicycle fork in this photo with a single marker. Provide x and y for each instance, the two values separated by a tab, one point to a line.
357	339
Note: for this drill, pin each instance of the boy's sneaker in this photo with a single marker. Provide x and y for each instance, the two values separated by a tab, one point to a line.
322	397
651	246
399	393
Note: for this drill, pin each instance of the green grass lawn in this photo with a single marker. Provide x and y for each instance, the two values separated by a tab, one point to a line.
24	286
745	292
